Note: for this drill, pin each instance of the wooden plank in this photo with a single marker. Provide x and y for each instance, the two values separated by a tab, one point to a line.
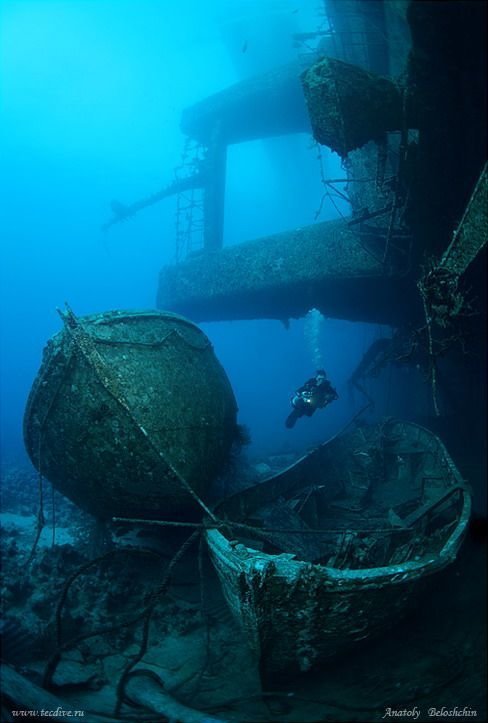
426	509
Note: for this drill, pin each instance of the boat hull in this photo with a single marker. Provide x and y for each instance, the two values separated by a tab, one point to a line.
296	614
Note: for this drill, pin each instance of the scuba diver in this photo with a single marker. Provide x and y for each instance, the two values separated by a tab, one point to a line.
316	393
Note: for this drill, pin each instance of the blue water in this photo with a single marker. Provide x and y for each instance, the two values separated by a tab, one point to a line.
92	94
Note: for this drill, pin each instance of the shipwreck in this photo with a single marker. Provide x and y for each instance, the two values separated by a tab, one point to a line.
334	549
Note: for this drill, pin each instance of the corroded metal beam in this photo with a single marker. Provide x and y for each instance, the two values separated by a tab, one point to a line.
284	275
270	104
472	233
214	191
122	212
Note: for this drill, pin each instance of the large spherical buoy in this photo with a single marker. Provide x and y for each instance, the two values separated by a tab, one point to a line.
131	414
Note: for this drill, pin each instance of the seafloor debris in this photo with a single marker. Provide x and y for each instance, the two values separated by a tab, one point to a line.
198	653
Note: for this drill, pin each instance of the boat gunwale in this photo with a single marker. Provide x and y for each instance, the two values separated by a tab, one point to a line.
250	561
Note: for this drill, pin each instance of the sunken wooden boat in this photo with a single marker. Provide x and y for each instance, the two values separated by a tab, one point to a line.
335	548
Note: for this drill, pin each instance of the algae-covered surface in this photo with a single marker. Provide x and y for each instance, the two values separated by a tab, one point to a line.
349	106
472	233
283	275
200	660
113	419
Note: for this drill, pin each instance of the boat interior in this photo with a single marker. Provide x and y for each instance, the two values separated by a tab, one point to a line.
385	497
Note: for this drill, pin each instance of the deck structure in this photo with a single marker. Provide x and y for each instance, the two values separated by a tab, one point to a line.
281	276
378	89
